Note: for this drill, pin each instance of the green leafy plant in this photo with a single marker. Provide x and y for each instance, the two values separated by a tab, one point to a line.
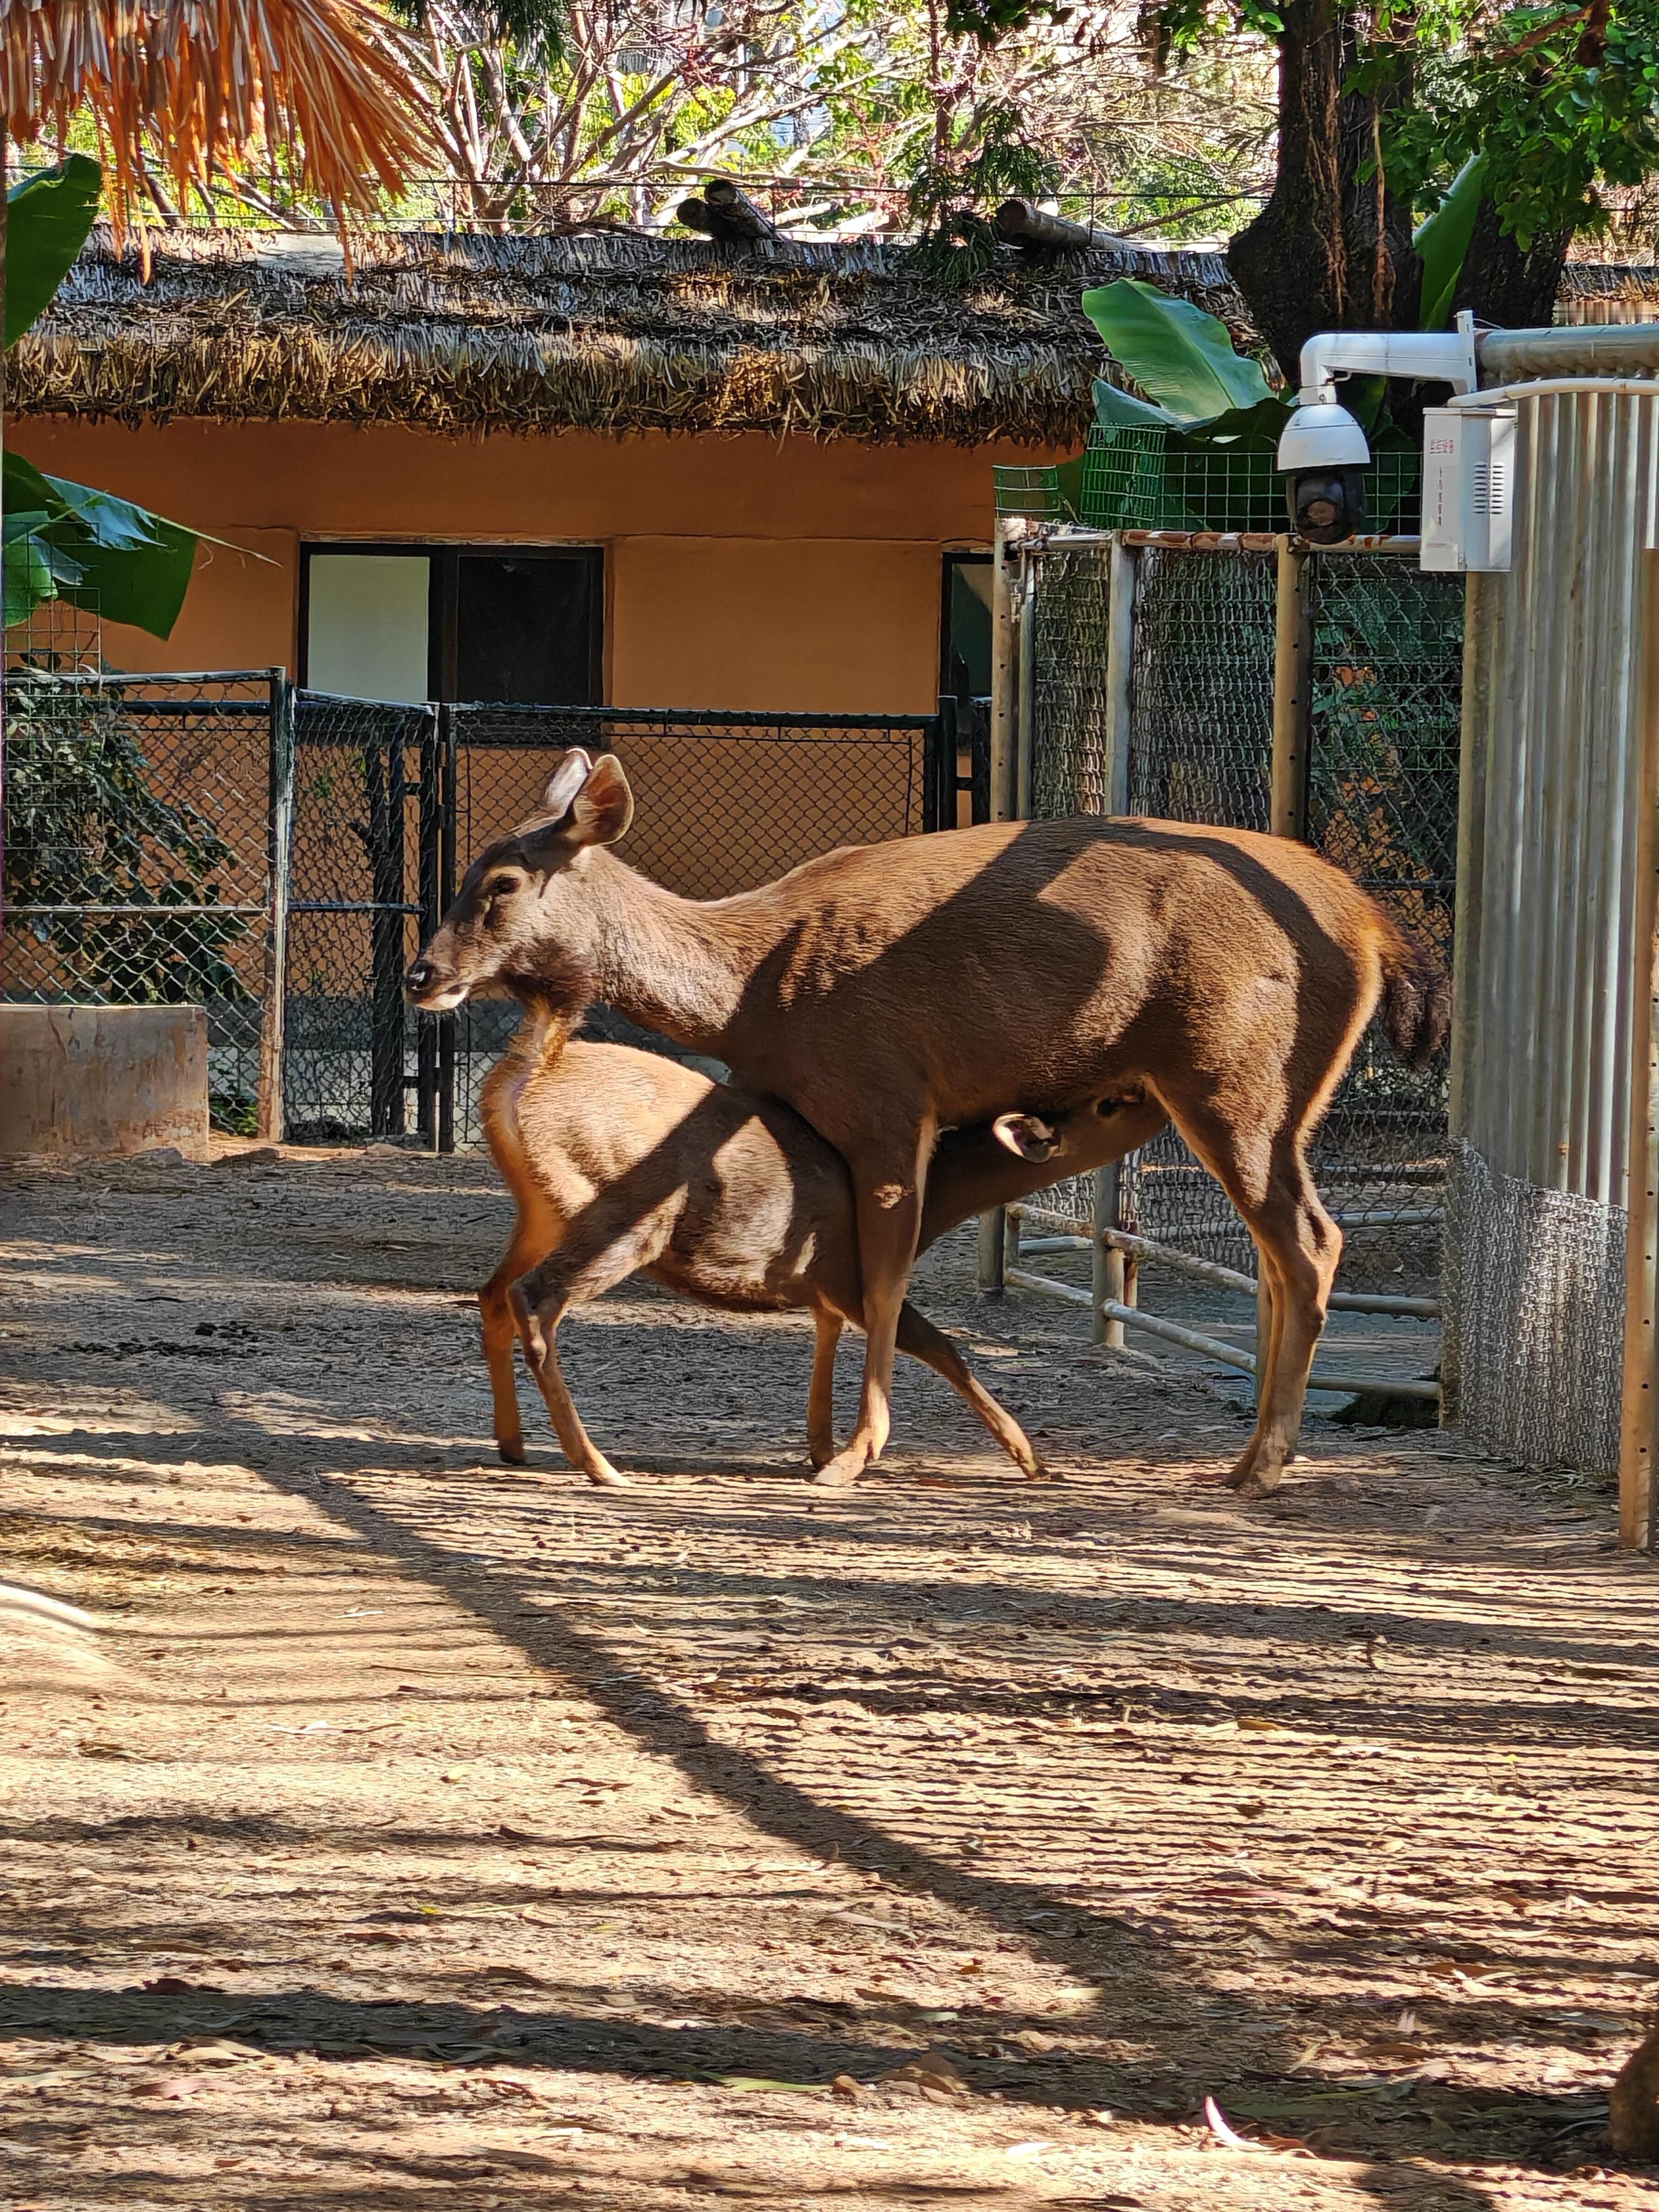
956	182
63	540
85	827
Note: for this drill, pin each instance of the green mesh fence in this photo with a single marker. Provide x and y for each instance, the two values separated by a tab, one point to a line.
1149	479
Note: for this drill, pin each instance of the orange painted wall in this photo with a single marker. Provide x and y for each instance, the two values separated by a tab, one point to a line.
741	572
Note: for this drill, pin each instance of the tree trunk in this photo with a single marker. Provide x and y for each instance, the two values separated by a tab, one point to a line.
1332	250
1291	263
1505	285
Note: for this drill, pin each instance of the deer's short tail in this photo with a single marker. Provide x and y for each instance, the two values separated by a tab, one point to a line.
1416	1005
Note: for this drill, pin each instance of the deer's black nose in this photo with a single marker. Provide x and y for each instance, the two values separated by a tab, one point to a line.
420	977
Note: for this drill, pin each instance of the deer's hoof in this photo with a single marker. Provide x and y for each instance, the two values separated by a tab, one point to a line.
841	1471
1034	1471
605	1477
1256	1477
512	1451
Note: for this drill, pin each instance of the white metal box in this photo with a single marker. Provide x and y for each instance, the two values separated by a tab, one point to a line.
1468	488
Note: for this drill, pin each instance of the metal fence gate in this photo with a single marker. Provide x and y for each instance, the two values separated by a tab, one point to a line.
1251	684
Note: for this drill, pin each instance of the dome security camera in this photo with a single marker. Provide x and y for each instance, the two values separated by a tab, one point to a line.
1323	456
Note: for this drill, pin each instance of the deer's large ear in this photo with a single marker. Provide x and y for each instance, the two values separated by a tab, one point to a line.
565	781
1025	1136
604	808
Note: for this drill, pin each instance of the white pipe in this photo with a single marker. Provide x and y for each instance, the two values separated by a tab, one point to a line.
1548	388
1431	357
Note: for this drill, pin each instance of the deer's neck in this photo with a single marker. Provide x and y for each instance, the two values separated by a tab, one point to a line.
674	964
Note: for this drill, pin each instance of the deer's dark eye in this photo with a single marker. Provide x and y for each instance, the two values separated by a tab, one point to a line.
501	886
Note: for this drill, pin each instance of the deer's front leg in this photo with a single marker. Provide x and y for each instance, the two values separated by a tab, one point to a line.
890	1223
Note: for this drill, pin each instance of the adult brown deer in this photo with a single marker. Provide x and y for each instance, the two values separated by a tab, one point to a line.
888	992
623	1161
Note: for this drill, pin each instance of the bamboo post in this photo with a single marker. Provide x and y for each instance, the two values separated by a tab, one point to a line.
1287	806
273	1023
1112	1274
1638	1493
993	1227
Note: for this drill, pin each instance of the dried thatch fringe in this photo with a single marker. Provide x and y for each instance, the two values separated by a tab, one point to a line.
319	81
612	332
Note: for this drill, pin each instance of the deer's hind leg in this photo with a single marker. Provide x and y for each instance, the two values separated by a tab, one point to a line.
821	1397
572	1276
1264	1171
917	1336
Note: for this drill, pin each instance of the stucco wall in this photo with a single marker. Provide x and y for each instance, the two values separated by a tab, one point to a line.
741	572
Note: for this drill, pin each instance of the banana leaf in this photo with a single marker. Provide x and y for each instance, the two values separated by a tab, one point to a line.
1122	411
92	549
1180	357
48	220
1441	241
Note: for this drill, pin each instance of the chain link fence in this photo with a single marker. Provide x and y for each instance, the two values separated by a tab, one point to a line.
1385	668
139	856
1381	802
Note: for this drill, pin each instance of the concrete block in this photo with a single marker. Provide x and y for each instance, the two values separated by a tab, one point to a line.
92	1082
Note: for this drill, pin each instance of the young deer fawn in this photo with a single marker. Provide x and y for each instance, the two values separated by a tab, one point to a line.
622	1162
888	992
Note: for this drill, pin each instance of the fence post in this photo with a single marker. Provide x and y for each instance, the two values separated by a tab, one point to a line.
1005	668
1025	697
273	1025
1638	1493
1112	1273
448	789
429	834
1287	804
384	836
993	1227
939	787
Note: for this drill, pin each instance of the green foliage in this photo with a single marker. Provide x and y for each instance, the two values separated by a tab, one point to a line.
63	540
85	826
49	218
1552	103
1442	239
1173	350
952	187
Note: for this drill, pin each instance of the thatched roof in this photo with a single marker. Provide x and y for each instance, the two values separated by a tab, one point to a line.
612	331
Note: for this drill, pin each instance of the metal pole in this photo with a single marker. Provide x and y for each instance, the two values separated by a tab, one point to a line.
939	801
280	840
1482	630
448	800
430	833
1638	1494
1005	695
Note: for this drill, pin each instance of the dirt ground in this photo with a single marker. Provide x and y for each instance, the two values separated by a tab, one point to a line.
418	1833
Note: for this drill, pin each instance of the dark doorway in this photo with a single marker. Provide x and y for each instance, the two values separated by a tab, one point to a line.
965	673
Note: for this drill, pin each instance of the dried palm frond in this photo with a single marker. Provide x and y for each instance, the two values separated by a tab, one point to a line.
318	83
